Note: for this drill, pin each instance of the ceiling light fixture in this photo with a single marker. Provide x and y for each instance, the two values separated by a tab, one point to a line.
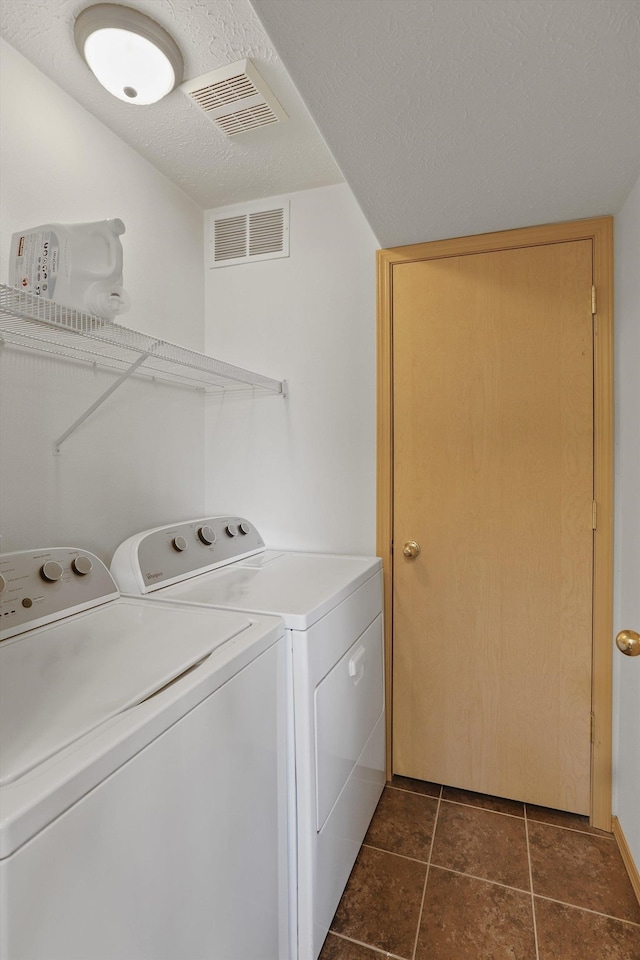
131	55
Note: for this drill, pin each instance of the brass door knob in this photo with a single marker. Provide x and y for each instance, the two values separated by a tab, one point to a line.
411	549
628	642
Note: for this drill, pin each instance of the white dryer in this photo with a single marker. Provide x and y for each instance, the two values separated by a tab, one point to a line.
332	608
143	781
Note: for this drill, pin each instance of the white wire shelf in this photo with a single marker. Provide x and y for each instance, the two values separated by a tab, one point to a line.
32	322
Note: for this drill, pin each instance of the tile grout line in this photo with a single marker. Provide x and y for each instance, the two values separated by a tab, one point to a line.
533	901
474	806
369	946
426	877
403	856
583	833
506	886
458	803
516	816
603	835
474	876
597	913
414	793
460	873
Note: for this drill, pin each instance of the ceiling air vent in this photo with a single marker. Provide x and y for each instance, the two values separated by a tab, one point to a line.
235	97
259	231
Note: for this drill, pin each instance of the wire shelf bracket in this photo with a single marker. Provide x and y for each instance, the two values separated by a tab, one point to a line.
94	406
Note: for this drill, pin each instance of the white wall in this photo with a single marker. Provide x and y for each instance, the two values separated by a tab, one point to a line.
627	519
302	469
138	461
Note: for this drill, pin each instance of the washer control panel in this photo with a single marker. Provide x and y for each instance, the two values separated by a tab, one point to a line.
169	554
43	585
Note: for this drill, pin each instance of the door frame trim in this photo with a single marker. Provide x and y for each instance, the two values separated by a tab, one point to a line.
600	231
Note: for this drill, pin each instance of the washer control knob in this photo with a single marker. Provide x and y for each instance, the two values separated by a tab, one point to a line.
82	565
232	530
3	583
179	544
207	534
244	527
51	570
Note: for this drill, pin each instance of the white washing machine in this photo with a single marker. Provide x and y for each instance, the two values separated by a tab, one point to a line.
332	608
143	781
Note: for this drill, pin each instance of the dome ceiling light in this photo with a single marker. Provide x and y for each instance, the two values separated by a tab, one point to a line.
131	55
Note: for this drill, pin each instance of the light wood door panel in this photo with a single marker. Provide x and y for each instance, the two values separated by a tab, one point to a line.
493	476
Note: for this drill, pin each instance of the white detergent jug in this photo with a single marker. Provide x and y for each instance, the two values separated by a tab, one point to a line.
78	265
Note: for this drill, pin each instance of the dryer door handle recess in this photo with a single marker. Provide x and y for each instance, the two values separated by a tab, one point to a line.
357	665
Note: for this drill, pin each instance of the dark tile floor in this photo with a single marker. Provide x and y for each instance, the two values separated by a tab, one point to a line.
444	874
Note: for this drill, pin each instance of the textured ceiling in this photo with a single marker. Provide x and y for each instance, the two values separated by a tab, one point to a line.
447	117
175	135
456	117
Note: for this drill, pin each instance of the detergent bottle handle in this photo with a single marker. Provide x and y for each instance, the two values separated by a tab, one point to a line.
115	228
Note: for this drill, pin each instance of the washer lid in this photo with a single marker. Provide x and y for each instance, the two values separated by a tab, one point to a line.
61	681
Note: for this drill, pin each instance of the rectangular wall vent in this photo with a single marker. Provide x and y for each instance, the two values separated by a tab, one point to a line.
235	97
258	231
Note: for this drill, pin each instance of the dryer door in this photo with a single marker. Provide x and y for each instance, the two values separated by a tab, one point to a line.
348	703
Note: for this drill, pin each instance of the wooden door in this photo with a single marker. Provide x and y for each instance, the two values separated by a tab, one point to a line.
493	477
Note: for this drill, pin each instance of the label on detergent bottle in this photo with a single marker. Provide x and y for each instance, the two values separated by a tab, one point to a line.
37	260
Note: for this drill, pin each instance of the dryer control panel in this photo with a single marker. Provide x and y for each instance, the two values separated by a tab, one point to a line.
46	584
165	555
